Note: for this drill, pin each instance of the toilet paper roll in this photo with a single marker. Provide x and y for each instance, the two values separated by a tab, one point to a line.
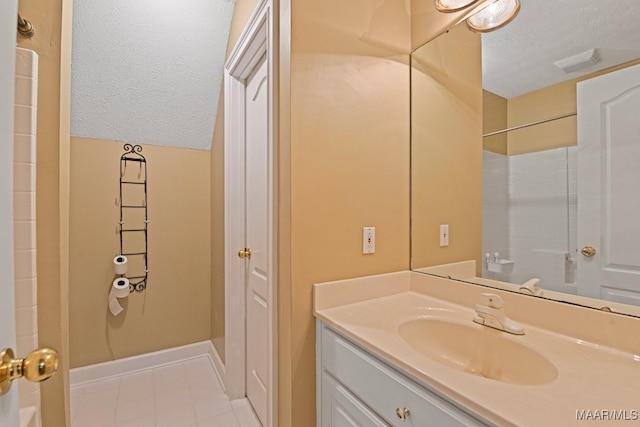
119	289
120	264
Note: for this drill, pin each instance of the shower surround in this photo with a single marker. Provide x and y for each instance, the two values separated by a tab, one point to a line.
529	215
24	221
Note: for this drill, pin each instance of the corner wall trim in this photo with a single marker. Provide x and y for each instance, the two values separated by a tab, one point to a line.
218	365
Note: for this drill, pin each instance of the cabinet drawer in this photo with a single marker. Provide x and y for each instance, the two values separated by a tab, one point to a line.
343	409
384	389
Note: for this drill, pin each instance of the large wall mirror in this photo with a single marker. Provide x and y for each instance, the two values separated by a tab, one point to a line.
526	144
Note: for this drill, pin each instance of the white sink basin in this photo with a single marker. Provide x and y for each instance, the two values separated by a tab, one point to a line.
479	350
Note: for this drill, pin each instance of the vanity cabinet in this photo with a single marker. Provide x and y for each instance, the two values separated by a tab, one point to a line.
356	388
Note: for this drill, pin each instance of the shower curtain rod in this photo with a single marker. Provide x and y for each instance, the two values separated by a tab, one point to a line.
25	28
529	124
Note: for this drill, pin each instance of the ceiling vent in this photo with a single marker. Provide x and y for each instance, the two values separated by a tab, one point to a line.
579	61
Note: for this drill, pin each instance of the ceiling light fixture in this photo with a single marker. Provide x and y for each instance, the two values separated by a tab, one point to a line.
495	15
453	5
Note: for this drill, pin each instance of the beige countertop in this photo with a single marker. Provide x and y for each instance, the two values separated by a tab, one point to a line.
591	376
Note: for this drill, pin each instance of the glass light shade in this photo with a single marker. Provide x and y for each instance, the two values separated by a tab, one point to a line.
453	5
496	15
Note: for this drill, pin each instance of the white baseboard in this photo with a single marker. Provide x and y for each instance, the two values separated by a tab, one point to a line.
143	362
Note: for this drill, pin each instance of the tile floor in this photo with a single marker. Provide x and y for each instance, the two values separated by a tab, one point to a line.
185	394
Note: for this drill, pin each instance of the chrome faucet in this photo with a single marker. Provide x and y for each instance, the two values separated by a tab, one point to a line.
491	314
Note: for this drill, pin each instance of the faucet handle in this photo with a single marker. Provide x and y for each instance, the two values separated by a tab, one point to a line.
492	300
529	287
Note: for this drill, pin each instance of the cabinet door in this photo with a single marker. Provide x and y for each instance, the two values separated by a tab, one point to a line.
342	409
382	390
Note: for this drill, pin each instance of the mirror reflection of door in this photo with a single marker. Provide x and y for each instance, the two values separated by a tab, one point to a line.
608	186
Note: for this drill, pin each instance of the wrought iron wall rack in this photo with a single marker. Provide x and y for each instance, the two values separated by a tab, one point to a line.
132	154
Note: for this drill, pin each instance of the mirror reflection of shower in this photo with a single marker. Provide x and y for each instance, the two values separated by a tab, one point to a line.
529	217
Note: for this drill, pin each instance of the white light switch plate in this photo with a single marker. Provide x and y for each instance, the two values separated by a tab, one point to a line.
368	240
444	235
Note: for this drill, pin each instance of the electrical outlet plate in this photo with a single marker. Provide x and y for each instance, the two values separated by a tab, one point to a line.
444	235
368	240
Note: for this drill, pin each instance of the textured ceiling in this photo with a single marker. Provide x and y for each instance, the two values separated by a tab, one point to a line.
147	71
519	57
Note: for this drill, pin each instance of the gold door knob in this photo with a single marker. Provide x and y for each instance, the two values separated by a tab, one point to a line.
39	365
244	253
588	251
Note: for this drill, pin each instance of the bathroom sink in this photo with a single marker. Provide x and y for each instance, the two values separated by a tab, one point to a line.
478	350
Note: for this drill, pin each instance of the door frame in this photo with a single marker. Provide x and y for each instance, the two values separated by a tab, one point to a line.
257	40
8	402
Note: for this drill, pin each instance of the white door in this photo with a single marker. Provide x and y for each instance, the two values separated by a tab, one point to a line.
250	218
9	401
609	186
257	239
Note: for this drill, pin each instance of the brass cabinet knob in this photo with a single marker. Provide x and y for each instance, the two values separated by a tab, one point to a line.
39	365
588	251
244	253
403	414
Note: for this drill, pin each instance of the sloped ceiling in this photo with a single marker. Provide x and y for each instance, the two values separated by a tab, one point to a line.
148	71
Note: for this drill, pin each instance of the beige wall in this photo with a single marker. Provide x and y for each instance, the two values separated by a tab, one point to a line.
494	118
175	308
52	21
349	148
539	105
446	149
542	104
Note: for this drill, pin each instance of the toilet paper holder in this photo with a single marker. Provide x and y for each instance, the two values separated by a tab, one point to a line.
139	281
